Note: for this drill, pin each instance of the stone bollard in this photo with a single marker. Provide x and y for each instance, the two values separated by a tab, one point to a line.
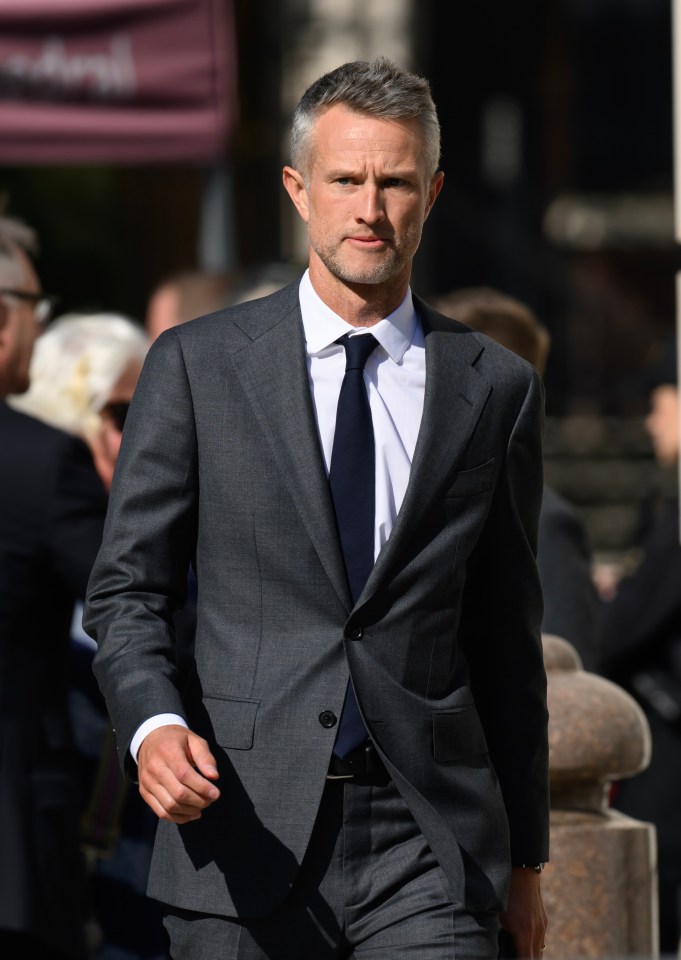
600	887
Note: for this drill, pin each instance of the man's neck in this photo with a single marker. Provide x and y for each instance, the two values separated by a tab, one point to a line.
359	304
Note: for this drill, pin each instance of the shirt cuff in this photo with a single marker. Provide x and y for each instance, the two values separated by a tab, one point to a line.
153	723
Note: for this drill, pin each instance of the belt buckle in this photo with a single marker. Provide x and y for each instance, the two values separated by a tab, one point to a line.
346	768
369	769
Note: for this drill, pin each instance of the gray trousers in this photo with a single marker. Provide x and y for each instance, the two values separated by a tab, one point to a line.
368	888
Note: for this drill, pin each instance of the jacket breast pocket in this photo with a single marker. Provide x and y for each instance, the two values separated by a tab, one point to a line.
233	721
467	483
457	734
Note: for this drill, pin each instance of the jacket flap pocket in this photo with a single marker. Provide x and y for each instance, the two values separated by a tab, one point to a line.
233	721
457	734
476	480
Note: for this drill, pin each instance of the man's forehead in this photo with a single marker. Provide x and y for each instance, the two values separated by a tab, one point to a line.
11	271
360	144
340	121
344	134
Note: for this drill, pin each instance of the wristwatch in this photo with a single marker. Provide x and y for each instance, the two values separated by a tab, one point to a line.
537	867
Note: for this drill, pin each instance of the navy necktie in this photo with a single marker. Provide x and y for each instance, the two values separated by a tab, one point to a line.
352	477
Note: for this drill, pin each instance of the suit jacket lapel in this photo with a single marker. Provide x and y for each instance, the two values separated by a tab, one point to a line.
454	399
273	372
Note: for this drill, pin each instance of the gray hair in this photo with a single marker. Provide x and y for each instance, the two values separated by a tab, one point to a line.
377	88
14	235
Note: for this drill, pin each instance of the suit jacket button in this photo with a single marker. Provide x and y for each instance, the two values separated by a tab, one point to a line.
327	719
355	633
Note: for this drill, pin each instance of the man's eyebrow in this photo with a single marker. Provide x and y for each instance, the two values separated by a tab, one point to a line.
402	173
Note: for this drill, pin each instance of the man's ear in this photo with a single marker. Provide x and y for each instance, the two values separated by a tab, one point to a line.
297	191
433	191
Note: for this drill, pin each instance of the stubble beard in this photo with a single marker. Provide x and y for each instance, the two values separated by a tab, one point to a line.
379	266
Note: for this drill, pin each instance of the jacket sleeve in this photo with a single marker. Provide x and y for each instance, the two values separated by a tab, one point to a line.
140	576
501	632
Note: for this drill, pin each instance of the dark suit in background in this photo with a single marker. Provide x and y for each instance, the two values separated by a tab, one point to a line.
641	650
52	506
571	606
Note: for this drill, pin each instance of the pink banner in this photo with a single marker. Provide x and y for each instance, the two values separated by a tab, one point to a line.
116	81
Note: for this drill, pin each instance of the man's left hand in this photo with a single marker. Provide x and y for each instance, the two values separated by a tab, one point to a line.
525	917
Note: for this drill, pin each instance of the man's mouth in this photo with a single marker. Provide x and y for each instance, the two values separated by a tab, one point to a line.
369	242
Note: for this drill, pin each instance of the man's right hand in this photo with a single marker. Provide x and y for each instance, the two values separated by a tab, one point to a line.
175	772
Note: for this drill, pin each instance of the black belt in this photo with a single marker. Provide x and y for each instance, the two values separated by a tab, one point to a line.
362	765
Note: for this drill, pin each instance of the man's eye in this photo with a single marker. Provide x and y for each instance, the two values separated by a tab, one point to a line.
395	182
343	180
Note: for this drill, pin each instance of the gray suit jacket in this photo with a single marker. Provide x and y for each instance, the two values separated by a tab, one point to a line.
221	466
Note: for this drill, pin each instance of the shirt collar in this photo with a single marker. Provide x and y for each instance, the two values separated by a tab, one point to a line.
323	327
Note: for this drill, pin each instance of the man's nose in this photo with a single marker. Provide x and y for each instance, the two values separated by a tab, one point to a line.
370	208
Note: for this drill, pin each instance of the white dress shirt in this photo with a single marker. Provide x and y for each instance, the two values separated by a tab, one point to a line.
395	378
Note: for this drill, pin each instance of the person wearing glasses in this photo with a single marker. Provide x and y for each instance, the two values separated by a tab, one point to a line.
42	306
51	519
25	310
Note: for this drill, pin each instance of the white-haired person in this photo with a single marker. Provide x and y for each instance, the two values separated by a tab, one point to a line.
83	375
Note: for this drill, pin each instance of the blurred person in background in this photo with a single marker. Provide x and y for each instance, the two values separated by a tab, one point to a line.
184	296
571	608
641	651
83	375
52	507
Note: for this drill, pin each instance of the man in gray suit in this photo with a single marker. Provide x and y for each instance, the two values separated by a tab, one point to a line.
355	765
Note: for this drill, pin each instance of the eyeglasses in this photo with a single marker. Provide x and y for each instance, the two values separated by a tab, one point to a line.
43	304
116	412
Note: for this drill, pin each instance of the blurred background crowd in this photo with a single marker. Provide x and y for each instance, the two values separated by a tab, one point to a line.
143	144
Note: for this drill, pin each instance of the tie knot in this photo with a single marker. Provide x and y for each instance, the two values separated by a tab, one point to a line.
358	349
